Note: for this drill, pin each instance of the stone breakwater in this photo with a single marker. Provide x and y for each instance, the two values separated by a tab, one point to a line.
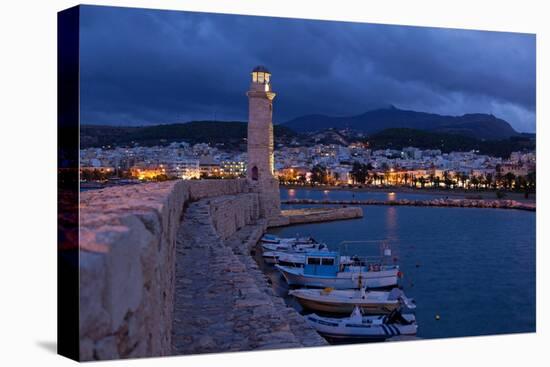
150	254
462	203
315	215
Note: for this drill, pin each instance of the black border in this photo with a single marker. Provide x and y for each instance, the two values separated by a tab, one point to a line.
68	22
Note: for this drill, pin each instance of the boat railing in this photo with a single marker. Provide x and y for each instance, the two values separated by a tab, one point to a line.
384	248
373	263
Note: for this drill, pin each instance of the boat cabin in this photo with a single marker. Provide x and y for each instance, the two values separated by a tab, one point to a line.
322	263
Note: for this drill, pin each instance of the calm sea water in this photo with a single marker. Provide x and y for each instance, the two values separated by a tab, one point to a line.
289	194
475	268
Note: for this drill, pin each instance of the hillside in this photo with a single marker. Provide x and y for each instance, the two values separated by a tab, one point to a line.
231	134
400	138
480	126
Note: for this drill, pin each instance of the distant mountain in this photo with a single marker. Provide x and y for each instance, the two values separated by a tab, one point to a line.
229	133
478	125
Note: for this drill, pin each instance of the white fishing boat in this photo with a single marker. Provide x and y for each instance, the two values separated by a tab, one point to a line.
294	256
269	239
344	301
295	259
294	247
324	270
292	259
357	326
284	258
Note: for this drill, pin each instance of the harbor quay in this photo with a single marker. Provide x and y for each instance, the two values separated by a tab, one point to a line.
166	269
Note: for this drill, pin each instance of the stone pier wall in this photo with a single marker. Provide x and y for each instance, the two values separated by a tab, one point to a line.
315	215
165	268
229	213
127	262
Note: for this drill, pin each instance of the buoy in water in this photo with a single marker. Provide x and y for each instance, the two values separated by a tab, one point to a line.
437	317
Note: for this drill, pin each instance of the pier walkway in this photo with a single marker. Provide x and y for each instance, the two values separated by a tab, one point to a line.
222	299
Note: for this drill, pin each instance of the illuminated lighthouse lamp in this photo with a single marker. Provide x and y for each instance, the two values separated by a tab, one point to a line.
261	75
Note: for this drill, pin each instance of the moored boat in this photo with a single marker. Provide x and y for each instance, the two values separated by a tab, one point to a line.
294	247
344	301
357	326
284	258
285	241
324	270
295	259
269	238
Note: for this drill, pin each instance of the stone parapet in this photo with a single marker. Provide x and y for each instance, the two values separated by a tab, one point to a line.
127	266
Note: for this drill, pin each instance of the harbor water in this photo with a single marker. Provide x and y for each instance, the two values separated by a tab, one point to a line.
471	271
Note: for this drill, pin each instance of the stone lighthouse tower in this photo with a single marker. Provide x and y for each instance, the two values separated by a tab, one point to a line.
260	143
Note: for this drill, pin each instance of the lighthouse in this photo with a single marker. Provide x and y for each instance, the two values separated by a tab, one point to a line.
260	170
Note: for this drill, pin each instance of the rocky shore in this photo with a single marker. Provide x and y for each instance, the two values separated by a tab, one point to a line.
459	203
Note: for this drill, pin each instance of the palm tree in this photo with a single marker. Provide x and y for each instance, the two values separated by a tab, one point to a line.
531	181
447	179
489	180
509	179
431	179
498	177
319	174
422	181
463	178
520	183
437	181
374	178
475	181
386	177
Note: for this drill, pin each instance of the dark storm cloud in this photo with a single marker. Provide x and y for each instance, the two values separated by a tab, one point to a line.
145	66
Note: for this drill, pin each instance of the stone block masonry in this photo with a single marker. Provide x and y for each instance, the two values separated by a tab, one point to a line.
139	244
315	215
127	267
